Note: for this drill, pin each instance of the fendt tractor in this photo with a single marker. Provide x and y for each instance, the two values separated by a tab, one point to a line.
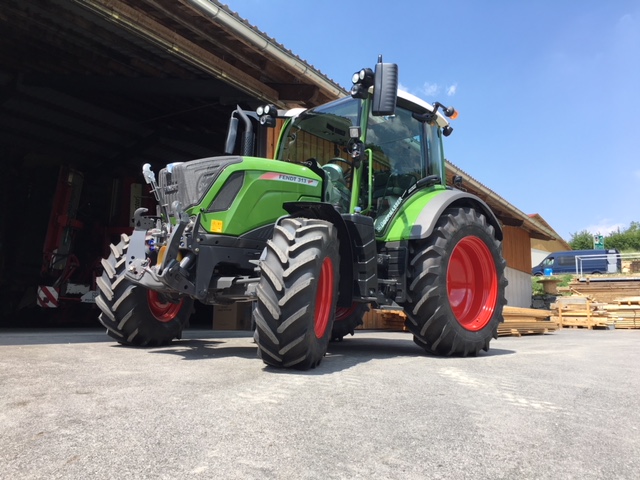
353	211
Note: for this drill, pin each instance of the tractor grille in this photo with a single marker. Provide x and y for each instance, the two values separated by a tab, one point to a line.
189	182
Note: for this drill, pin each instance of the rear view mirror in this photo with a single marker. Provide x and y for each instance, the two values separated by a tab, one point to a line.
385	88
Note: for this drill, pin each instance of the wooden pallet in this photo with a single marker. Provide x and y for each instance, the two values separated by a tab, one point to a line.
526	321
391	320
627	301
622	323
506	329
580	311
583	322
625	312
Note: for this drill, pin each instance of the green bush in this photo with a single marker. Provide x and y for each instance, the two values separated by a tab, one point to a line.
625	240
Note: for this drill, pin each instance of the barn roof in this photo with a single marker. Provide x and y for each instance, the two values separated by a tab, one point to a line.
98	83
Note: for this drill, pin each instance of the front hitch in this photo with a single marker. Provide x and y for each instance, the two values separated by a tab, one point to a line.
170	276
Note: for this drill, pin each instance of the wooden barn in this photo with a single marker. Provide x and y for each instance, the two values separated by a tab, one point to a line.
90	90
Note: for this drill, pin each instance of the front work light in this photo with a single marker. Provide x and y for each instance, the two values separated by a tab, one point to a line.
362	80
267	114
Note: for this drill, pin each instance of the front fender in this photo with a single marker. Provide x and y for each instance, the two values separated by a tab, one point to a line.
417	218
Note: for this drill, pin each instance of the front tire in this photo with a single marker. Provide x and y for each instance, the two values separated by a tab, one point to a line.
457	284
134	315
297	293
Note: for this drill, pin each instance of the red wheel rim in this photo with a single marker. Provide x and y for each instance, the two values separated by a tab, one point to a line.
161	310
324	298
472	283
342	313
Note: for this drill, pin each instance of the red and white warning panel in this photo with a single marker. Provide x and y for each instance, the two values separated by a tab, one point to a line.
47	297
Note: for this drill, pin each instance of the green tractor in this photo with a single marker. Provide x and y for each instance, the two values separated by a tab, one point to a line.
352	212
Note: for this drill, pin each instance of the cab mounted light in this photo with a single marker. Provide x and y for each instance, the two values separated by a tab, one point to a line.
448	111
362	80
267	115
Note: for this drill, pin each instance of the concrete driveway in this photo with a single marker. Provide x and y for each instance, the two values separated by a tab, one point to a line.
75	405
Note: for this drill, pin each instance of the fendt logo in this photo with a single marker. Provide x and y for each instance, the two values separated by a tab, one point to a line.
388	216
282	177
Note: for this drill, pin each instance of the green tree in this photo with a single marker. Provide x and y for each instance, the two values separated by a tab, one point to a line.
581	240
626	240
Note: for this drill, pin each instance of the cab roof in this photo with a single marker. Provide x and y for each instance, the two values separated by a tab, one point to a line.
405	96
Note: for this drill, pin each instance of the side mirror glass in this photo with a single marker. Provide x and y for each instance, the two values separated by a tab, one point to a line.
385	89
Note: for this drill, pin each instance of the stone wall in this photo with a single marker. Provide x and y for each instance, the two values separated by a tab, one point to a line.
543	301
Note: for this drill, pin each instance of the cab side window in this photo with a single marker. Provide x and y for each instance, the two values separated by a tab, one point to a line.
397	143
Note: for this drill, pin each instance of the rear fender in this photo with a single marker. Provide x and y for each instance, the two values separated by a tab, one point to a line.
432	211
434	205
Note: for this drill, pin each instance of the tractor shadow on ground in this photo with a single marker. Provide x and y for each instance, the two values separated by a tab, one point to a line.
340	356
356	350
209	348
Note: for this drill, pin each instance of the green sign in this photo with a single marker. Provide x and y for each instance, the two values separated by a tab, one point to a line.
598	242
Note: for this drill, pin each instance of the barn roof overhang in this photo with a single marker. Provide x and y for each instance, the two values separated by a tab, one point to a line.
95	82
110	82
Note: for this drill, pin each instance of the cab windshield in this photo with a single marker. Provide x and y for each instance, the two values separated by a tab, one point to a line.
321	133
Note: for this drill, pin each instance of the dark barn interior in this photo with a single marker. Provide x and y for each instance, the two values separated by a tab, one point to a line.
90	90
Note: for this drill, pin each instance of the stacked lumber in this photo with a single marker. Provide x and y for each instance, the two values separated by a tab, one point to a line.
517	321
526	321
392	320
606	291
625	312
580	311
615	303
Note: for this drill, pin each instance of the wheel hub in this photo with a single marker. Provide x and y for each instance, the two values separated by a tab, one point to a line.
162	311
472	283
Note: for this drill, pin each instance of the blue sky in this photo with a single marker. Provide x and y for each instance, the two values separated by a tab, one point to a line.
548	91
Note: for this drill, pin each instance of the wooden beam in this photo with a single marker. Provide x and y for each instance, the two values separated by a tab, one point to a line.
510	221
212	88
193	20
142	25
296	92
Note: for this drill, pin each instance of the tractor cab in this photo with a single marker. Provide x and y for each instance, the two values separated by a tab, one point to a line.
372	149
370	163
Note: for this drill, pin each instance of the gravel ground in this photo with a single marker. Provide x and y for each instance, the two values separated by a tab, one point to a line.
75	405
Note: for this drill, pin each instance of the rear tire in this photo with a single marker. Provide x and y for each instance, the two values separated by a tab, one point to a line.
134	315
347	319
456	285
297	293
